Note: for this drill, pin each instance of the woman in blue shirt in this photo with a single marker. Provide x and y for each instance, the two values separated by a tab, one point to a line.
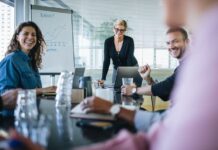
19	68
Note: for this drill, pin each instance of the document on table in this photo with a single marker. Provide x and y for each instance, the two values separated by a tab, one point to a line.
77	112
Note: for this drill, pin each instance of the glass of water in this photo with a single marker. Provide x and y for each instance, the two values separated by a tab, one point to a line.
28	121
127	81
64	90
26	105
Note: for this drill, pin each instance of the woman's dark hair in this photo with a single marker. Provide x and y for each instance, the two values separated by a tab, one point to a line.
37	51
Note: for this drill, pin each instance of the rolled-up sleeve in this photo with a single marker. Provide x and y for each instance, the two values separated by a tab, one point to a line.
163	89
9	76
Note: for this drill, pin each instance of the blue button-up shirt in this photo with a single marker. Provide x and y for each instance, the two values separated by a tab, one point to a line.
16	72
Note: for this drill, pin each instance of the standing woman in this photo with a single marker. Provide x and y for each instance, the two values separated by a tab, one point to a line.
119	48
19	68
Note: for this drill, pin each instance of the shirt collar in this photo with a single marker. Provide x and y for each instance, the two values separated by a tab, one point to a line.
23	55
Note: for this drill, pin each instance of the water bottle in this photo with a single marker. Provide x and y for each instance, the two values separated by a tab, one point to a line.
64	90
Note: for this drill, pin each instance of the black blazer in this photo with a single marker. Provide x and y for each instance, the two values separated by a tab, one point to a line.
124	58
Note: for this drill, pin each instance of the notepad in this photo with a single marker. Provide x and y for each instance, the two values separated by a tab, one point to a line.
77	112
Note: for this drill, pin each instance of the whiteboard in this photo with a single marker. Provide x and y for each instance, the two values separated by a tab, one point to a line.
57	27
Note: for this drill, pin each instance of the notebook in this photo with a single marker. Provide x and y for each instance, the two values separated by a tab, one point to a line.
77	112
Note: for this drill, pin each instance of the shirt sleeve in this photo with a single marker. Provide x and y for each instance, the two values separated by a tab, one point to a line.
106	62
9	76
163	89
144	119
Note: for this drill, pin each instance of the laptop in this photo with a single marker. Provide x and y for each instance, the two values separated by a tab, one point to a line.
79	72
127	72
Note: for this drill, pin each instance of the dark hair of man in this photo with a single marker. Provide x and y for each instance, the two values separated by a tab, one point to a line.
178	29
36	52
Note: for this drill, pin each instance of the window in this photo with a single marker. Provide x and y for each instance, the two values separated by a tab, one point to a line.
162	58
6	26
93	26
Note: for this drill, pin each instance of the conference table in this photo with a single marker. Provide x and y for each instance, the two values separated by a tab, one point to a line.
64	132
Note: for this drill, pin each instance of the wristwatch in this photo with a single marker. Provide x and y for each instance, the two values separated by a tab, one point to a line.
115	109
134	90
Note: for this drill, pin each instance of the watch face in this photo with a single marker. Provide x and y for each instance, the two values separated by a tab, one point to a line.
133	90
115	109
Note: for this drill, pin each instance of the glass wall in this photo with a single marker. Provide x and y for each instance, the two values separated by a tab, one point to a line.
93	23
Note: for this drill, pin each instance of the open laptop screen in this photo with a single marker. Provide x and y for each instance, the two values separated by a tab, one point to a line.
127	72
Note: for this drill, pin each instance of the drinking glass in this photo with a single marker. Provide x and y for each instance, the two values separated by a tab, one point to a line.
28	122
130	103
127	81
64	90
38	130
26	105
